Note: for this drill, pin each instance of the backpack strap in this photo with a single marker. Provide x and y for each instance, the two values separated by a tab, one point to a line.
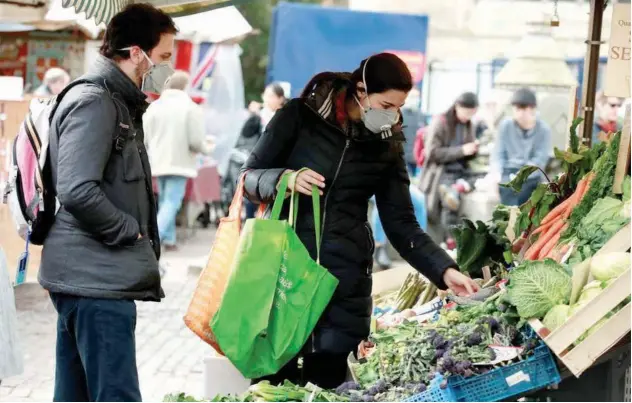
122	113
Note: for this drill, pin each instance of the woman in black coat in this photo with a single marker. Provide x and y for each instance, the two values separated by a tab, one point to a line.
346	129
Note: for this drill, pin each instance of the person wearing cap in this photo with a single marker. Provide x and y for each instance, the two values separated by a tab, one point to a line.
523	139
450	145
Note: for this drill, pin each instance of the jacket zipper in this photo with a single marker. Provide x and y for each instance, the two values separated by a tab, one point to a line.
342	157
322	226
322	232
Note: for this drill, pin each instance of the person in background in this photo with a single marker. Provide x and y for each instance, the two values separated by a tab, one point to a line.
451	143
55	80
606	116
382	258
174	134
260	114
102	251
411	114
523	139
345	128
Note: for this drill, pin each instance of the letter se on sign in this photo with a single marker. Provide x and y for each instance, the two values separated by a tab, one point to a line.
617	83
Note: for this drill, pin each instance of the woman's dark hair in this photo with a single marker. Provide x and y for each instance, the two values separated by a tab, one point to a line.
277	89
384	71
467	100
137	25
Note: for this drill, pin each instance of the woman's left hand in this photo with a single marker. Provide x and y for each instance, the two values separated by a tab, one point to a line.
459	283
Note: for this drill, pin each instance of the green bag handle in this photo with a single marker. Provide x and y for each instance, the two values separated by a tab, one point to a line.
280	199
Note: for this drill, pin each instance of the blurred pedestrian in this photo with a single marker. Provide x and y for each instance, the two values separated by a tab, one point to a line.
174	135
273	98
606	116
523	139
55	80
449	146
102	251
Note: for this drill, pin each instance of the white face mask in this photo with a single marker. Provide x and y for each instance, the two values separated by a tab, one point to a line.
155	78
376	120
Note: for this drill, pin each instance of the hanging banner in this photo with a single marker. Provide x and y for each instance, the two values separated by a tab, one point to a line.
618	69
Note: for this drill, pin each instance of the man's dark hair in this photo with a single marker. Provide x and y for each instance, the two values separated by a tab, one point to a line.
136	25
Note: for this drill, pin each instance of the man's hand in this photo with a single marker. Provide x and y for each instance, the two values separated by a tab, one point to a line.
470	148
140	236
459	283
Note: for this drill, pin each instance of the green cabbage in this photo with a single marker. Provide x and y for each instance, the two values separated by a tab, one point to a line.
537	286
556	317
610	265
590	291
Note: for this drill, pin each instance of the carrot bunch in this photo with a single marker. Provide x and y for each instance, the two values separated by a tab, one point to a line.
554	223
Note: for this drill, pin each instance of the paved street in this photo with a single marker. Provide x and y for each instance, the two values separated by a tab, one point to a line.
169	354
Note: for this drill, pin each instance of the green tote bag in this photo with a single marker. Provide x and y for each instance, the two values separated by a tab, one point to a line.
276	292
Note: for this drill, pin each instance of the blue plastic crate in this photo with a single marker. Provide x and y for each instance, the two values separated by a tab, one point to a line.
434	393
536	372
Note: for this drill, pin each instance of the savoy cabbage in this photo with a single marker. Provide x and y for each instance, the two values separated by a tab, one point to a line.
537	286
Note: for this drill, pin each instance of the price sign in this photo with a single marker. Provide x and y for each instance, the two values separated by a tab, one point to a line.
618	68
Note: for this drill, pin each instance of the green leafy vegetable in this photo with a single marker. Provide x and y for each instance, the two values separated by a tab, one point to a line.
179	397
610	265
537	286
581	272
478	245
600	187
627	188
556	317
521	177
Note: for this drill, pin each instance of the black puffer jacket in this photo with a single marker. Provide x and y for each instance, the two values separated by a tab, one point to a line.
357	165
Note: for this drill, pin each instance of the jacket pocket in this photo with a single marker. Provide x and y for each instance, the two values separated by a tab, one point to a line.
132	164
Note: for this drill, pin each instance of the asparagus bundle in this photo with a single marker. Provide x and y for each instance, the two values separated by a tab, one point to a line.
410	292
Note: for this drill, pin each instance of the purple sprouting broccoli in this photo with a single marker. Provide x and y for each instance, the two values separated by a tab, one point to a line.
474	339
439	342
444	384
439	353
346	387
381	385
494	326
467	373
492	353
447	364
467	364
368	398
421	388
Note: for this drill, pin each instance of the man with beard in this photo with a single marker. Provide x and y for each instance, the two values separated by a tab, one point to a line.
101	254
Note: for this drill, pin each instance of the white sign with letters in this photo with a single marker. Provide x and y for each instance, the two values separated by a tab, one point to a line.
618	69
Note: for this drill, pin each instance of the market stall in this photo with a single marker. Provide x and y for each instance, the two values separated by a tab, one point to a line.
554	298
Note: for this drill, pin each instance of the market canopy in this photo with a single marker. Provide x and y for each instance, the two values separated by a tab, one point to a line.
537	61
103	10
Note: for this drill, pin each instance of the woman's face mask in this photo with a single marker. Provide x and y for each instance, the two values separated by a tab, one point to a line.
375	119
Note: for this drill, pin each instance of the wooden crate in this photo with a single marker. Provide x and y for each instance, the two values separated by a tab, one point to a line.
580	357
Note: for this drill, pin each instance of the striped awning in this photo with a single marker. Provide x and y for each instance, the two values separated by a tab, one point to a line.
104	10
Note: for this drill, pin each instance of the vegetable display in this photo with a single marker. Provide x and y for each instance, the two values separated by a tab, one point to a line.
551	271
536	287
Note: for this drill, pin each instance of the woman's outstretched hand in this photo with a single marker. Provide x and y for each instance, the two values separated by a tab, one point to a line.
304	181
459	283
